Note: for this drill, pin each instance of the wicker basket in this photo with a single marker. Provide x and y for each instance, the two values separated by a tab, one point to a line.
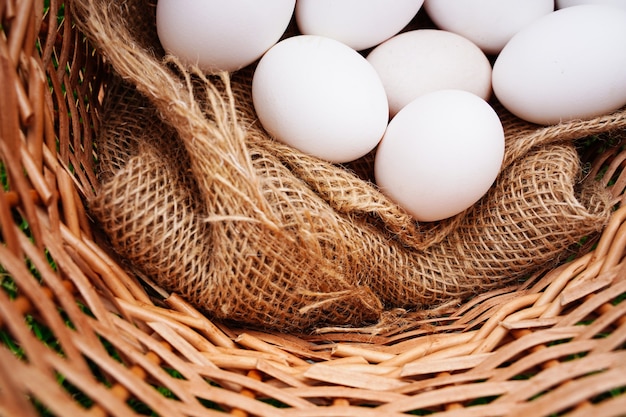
80	336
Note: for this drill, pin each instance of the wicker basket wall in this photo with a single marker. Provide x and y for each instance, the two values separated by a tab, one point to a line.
79	335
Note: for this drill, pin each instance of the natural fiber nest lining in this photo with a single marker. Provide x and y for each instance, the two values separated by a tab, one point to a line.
197	197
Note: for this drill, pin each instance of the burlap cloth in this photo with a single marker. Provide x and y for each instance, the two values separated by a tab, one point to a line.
196	196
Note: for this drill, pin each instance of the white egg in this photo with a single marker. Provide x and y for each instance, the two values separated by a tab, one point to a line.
560	4
488	23
359	24
321	97
440	154
221	35
566	65
421	61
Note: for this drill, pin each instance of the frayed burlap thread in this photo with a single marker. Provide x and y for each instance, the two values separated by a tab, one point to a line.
231	265
197	197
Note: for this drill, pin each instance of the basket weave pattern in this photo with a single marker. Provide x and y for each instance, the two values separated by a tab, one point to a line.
79	335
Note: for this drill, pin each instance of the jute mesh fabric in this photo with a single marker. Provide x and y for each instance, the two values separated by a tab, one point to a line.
197	197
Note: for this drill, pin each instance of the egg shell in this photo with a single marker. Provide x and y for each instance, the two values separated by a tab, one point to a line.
490	24
424	60
360	24
321	97
560	4
566	65
220	35
440	154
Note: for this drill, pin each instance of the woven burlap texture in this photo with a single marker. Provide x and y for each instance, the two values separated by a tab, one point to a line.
196	196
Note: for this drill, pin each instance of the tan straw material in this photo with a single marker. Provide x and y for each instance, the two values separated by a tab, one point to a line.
161	255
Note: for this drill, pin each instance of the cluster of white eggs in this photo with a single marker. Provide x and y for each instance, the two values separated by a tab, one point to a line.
355	78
